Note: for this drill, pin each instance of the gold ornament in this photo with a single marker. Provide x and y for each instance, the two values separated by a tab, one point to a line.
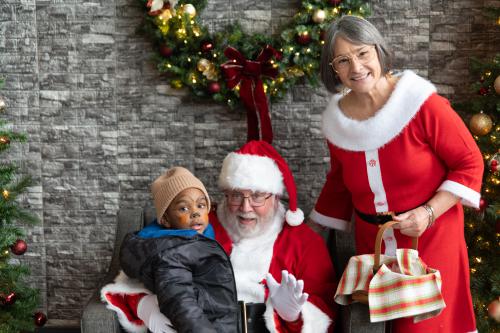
2	105
319	16
5	194
176	84
4	140
188	9
181	33
196	31
496	84
207	68
480	124
164	28
295	71
166	15
4	253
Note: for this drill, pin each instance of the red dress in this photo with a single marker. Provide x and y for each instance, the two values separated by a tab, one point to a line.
412	147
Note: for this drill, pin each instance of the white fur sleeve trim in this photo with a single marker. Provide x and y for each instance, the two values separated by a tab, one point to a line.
314	320
330	222
469	197
124	285
410	93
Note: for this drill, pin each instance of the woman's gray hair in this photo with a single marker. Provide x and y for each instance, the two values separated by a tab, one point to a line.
358	31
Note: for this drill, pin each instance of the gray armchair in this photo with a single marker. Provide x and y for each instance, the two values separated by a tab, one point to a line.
96	318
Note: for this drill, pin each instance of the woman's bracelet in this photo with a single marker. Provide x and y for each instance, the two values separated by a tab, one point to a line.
430	212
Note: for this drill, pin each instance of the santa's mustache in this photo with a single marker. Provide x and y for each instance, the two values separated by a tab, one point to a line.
249	215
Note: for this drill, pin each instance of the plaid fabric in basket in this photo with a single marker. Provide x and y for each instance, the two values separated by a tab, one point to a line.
403	286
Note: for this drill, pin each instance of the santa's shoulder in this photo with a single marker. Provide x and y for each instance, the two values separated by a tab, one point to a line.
301	234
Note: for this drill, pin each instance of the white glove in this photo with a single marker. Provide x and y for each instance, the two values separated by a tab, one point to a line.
288	297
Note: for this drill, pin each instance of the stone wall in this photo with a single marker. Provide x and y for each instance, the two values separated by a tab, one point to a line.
102	124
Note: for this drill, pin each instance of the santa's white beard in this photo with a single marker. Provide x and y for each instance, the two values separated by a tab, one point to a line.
238	231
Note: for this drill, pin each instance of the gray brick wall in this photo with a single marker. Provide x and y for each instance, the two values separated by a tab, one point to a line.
102	124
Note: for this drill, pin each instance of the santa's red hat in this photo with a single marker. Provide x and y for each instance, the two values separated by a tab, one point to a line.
257	166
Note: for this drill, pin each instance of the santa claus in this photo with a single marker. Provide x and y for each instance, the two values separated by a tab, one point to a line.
283	272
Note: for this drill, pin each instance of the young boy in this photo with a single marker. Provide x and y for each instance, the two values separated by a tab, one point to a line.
177	258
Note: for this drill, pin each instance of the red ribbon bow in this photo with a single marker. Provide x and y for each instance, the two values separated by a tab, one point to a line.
248	74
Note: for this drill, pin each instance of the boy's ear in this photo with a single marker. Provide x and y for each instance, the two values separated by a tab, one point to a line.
164	222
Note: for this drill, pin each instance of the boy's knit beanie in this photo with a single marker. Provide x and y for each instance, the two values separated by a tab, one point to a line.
166	187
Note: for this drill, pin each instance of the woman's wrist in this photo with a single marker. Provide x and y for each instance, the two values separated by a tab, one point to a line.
431	215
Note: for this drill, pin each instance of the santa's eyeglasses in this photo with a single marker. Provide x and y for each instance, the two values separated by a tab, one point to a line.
256	199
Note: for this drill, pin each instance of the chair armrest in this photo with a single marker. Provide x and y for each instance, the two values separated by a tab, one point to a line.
356	318
96	318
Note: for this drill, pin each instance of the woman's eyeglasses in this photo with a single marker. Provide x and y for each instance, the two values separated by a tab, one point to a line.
255	199
344	62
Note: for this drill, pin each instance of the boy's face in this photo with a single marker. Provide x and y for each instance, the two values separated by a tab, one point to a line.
188	210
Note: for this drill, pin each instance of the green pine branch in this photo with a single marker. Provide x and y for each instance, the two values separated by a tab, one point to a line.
16	317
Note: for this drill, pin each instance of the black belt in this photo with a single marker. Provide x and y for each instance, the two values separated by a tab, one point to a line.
377	219
252	315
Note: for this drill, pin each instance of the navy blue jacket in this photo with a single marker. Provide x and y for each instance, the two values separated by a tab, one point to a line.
190	273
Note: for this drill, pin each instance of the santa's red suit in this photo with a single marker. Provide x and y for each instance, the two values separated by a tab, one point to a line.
297	249
414	146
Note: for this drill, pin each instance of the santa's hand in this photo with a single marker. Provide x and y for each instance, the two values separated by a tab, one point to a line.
287	297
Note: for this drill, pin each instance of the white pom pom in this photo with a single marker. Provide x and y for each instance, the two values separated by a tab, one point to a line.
294	218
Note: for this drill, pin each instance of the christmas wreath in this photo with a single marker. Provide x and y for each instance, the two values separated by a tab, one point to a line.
229	65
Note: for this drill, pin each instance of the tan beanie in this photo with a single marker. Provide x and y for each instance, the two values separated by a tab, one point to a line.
166	187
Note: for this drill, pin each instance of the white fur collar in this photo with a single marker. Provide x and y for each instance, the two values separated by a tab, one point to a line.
410	93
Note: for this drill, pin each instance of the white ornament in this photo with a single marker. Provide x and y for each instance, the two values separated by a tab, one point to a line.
189	9
156	5
319	16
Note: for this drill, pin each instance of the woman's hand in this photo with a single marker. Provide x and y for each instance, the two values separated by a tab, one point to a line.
413	222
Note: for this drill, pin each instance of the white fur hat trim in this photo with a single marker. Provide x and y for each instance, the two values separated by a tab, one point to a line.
251	172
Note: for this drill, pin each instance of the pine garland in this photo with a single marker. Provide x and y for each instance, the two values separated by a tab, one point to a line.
190	56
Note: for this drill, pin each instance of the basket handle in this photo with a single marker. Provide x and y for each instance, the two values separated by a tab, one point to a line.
378	243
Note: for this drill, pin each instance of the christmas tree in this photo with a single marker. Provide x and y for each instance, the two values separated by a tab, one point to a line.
17	300
482	226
